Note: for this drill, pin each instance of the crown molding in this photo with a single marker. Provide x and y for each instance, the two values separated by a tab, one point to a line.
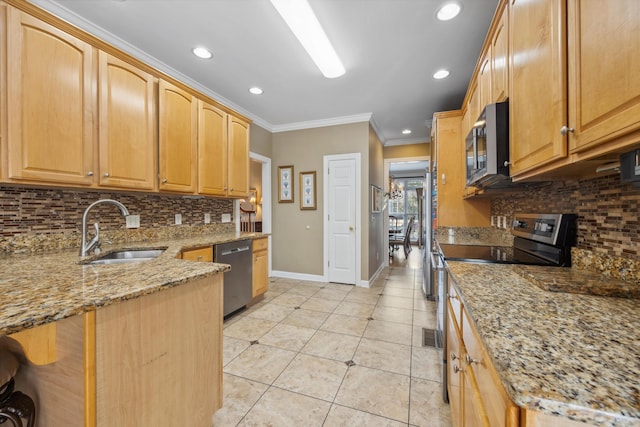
334	121
405	141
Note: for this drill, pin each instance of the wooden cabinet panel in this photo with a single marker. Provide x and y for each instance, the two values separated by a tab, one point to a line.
538	76
474	414
178	138
454	370
604	71
200	254
50	94
158	357
500	58
474	104
238	157
484	81
212	150
127	137
260	283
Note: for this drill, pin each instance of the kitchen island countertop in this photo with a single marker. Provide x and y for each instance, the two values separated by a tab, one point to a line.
42	288
565	354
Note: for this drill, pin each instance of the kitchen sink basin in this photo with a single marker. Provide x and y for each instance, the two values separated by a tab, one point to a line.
128	256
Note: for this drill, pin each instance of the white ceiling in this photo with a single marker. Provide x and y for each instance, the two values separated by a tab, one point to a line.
390	49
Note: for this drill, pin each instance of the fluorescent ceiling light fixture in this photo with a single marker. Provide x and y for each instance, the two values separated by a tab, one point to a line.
406	131
441	74
305	26
448	11
202	52
256	90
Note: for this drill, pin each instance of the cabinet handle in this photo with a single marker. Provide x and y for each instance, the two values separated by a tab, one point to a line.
564	130
231	189
164	180
453	356
456	369
470	360
89	173
199	257
453	296
507	163
106	175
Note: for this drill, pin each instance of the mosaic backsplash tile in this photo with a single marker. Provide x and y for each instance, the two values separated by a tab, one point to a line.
608	224
35	220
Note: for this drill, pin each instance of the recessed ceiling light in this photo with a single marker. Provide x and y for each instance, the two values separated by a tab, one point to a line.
300	18
406	131
441	74
256	90
448	11
202	52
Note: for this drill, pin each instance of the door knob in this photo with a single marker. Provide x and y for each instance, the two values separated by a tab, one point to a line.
350	228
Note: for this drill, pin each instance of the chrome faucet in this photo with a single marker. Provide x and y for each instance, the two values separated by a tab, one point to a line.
95	242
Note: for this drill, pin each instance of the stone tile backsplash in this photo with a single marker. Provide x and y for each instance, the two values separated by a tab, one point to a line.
36	219
608	223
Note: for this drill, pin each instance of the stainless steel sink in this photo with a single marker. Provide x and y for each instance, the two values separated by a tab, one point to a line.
128	256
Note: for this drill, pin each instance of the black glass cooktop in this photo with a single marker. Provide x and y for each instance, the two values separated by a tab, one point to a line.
490	254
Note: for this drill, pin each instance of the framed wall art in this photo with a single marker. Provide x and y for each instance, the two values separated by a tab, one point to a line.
285	184
377	199
308	190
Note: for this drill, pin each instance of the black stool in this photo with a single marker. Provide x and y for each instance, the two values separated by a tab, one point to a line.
14	405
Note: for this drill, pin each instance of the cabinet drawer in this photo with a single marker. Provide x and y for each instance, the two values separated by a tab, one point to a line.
455	305
260	244
501	411
200	254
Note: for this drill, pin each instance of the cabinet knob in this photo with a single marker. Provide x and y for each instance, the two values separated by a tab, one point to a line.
106	175
507	163
453	296
456	369
453	356
199	257
470	360
164	180
89	173
564	130
231	189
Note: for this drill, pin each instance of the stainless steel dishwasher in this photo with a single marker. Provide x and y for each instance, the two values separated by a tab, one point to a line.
237	282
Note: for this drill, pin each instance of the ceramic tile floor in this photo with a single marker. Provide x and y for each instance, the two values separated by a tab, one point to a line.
325	354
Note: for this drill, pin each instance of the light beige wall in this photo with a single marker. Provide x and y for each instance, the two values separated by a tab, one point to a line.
297	235
260	140
409	150
376	229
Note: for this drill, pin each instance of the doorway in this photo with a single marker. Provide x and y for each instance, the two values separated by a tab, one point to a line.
342	206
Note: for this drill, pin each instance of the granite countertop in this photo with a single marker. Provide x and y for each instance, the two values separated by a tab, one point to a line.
38	289
566	354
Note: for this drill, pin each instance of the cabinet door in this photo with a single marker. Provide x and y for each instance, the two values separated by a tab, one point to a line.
212	150
454	370
50	84
537	99
484	81
127	125
500	59
474	412
604	71
474	104
200	254
178	139
260	267
238	157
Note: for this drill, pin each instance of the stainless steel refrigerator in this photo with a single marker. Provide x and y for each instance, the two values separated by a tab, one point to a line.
427	237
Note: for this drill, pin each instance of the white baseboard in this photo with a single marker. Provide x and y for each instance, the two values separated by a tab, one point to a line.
298	276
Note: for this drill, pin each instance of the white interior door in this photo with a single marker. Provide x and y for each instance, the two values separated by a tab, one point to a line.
342	221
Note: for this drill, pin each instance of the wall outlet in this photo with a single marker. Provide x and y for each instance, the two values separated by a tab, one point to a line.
178	219
133	221
207	218
226	218
504	222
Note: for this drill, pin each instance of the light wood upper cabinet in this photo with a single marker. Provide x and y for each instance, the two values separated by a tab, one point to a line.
127	137
238	157
212	150
537	102
484	82
50	84
500	58
178	143
604	71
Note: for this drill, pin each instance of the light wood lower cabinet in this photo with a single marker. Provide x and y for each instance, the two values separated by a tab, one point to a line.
200	254
260	280
152	361
476	394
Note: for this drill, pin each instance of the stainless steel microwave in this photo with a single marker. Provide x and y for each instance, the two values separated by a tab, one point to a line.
487	148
